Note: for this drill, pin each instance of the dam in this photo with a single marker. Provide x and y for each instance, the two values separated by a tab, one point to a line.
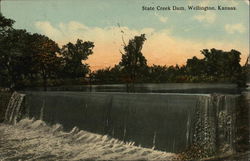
168	122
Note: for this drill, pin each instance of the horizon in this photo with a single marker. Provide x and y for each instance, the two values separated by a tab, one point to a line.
172	36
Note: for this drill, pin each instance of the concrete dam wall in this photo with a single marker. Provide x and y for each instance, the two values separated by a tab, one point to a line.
168	122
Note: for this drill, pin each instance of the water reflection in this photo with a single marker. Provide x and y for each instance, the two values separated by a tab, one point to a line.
153	88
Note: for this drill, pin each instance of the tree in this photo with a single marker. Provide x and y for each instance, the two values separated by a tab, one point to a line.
195	66
133	62
222	64
157	73
5	25
22	54
25	56
12	45
108	75
45	59
247	69
74	55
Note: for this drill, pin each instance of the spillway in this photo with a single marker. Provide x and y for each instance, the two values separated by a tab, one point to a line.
167	122
31	140
170	122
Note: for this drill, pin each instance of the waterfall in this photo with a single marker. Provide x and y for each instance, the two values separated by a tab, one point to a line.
14	108
226	124
169	122
204	126
33	139
214	123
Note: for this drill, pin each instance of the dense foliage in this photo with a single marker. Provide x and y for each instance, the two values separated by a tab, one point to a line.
32	59
133	63
35	60
216	66
73	55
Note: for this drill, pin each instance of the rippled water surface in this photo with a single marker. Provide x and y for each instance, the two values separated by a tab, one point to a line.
34	140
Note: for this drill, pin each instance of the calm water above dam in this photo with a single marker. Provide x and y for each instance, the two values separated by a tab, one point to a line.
153	88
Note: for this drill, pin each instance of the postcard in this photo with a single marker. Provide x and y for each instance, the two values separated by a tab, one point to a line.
124	80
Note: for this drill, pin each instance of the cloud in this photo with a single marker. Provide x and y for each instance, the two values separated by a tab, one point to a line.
161	18
161	47
48	29
108	41
234	28
207	17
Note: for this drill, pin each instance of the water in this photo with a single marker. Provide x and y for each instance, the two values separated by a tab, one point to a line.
247	98
127	117
167	122
13	110
31	139
34	140
153	88
118	125
215	124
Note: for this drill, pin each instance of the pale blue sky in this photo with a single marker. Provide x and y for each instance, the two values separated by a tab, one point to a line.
229	28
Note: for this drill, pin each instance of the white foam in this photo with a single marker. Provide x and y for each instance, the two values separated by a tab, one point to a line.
34	140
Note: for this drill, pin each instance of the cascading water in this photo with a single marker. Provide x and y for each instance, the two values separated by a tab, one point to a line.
226	124
158	121
214	124
34	140
14	108
52	143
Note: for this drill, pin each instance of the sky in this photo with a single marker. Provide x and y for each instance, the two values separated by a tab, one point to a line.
172	36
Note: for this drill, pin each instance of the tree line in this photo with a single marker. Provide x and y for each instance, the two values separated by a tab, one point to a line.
216	66
28	59
35	60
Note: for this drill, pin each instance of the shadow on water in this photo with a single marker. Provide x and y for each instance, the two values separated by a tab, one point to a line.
152	88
